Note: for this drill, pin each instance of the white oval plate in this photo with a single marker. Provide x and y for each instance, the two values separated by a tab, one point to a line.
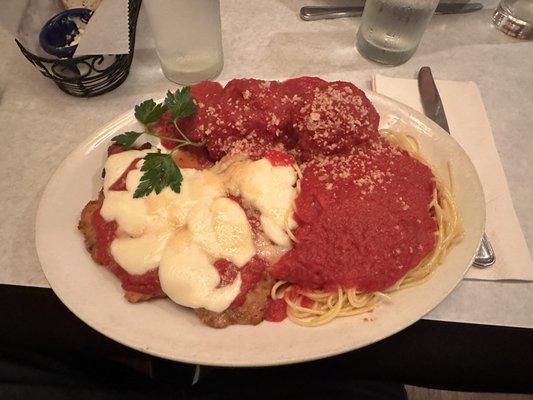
167	330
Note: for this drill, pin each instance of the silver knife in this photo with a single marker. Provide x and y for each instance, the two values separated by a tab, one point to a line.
432	104
313	13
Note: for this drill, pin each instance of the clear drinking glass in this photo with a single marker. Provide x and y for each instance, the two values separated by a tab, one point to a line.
515	18
391	30
188	38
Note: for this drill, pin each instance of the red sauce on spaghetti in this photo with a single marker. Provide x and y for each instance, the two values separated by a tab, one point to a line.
364	220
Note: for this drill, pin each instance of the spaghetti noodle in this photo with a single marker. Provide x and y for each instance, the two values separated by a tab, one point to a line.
314	308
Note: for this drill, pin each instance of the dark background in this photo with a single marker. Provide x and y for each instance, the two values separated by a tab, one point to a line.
42	343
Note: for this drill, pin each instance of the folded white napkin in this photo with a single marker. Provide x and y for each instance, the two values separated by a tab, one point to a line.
469	125
107	31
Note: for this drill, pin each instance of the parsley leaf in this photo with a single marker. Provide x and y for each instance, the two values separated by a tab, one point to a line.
149	111
126	139
160	171
180	103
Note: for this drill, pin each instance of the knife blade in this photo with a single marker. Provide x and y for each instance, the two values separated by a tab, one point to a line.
431	101
313	13
434	110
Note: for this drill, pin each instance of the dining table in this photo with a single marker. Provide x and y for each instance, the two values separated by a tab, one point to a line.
479	338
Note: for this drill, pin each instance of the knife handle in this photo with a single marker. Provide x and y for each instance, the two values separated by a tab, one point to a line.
313	13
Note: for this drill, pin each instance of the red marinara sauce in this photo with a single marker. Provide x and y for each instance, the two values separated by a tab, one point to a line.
276	310
364	220
279	158
105	232
120	183
251	274
147	283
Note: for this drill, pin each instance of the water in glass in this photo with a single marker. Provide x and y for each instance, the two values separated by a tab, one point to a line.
391	30
188	38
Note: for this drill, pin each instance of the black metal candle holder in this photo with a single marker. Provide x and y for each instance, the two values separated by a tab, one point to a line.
92	75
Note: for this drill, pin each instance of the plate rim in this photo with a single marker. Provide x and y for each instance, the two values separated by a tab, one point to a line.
103	132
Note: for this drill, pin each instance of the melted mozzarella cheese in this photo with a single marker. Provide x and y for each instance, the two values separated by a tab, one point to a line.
223	231
270	190
185	233
131	214
188	277
233	231
141	254
148	222
116	164
198	189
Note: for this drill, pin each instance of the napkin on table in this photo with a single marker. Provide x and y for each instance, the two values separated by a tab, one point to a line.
107	31
469	125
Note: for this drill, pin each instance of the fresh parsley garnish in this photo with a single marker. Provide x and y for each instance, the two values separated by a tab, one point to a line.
160	171
149	111
126	139
180	103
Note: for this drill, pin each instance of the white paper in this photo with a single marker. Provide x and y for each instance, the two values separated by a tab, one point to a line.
469	125
504	303
107	31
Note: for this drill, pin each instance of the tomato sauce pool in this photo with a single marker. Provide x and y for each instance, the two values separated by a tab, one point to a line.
364	220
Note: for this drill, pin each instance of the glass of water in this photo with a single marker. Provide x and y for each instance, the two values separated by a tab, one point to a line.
515	18
391	30
188	38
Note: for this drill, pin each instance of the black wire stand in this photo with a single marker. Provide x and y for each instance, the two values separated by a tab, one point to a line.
93	75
